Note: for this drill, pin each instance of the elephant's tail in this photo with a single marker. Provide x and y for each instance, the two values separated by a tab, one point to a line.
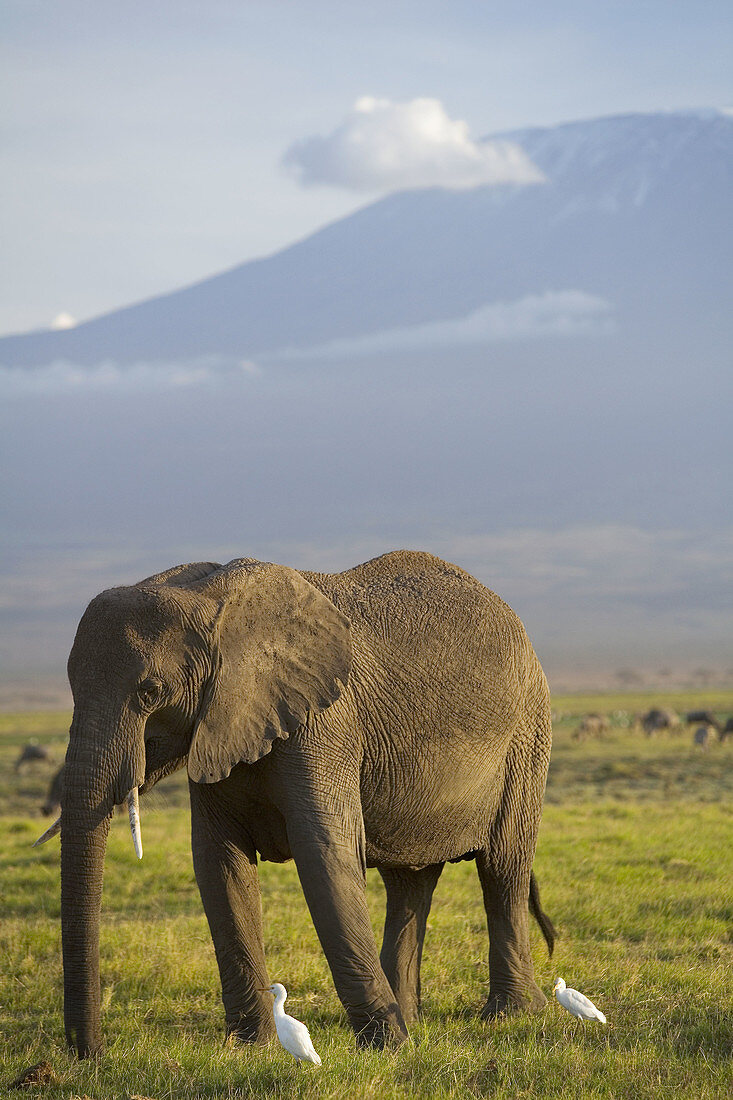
546	926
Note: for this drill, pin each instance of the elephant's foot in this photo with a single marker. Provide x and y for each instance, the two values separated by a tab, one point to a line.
382	1032
528	998
411	1010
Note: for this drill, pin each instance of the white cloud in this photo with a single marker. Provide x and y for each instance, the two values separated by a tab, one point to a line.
554	313
386	146
65	377
63	320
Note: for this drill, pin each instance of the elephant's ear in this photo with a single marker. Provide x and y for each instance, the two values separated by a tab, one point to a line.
280	650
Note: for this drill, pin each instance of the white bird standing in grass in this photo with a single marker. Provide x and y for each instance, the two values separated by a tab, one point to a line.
577	1003
293	1035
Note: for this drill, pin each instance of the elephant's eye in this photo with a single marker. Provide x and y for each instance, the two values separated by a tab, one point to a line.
150	692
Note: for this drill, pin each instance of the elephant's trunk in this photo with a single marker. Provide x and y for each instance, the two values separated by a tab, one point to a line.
85	819
82	867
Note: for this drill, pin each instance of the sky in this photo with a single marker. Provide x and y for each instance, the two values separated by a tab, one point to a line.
147	146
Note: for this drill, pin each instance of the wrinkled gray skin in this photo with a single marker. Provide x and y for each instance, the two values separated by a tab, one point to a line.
394	715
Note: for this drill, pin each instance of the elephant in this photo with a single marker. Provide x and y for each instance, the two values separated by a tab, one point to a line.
393	715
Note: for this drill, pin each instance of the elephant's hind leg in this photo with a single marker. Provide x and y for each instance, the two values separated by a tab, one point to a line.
504	867
409	894
511	974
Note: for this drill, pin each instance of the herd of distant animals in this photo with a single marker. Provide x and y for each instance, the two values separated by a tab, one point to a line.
706	730
706	727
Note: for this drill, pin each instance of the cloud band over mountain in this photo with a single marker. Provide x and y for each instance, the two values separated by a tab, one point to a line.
108	376
536	316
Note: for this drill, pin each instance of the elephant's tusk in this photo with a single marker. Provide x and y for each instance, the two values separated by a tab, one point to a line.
133	808
50	832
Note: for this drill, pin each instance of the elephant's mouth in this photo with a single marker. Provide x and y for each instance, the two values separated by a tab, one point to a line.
167	740
157	768
163	756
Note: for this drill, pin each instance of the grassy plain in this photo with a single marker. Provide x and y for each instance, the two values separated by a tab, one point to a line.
635	862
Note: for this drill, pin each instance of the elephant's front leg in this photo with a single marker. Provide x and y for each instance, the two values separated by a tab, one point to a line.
326	848
225	866
409	893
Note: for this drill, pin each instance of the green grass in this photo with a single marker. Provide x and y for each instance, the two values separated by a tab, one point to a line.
635	863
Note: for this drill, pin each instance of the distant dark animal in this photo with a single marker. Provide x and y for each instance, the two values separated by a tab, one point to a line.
32	754
658	718
727	730
52	805
593	725
702	737
702	718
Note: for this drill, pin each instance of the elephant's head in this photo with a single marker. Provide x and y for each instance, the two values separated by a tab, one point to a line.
204	663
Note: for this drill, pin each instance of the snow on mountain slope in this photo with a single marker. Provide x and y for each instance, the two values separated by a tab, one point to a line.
619	161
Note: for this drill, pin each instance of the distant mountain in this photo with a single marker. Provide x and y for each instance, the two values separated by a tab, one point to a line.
636	212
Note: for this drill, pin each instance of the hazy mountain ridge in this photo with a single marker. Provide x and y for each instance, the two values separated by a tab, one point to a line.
636	209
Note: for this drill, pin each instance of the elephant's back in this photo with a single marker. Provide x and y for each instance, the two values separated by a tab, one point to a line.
413	599
397	567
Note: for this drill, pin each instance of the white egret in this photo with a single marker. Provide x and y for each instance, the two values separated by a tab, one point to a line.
577	1003
293	1035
